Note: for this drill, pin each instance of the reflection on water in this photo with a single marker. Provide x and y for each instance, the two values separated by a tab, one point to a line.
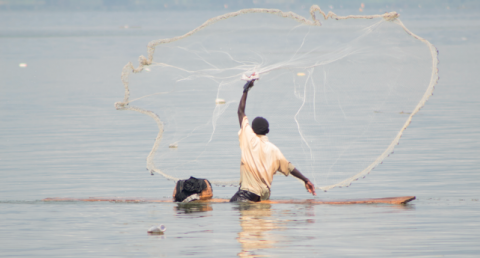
256	222
267	229
157	236
192	207
402	207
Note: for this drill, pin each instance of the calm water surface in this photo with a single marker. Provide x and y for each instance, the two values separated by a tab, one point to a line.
61	137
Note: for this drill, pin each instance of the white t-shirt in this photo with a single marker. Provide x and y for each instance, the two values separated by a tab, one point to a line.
260	160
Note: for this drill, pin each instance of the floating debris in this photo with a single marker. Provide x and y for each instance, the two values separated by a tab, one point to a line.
22	65
157	229
173	145
219	101
300	74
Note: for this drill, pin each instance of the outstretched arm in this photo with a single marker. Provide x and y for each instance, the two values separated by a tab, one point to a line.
243	102
310	187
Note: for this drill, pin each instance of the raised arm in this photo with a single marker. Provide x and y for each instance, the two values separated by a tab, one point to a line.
310	187
243	102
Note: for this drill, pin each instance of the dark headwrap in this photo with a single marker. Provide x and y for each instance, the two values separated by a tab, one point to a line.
260	125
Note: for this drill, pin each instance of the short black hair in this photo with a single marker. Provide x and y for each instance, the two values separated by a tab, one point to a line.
260	125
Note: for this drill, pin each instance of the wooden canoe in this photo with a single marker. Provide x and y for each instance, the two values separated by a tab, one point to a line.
388	200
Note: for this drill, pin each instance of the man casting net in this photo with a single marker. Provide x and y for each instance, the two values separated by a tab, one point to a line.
337	93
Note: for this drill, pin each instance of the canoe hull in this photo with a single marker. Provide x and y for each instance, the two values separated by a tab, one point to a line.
387	200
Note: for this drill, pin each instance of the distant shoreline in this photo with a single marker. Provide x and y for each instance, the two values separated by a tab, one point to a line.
229	5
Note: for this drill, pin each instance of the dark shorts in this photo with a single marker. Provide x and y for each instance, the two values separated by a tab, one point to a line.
244	196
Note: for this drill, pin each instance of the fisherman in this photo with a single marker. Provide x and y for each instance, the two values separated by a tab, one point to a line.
260	158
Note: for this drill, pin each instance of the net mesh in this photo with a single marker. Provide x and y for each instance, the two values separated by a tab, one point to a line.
338	94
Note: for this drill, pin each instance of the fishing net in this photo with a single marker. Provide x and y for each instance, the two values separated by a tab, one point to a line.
338	94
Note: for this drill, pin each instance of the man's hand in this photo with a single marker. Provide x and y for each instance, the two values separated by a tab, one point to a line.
248	85
250	79
310	188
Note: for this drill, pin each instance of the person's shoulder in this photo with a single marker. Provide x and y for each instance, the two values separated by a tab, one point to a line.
245	123
246	129
276	150
272	146
245	120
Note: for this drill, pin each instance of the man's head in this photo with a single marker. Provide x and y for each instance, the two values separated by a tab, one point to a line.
260	125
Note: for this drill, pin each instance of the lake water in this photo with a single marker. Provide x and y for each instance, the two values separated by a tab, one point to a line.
60	136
